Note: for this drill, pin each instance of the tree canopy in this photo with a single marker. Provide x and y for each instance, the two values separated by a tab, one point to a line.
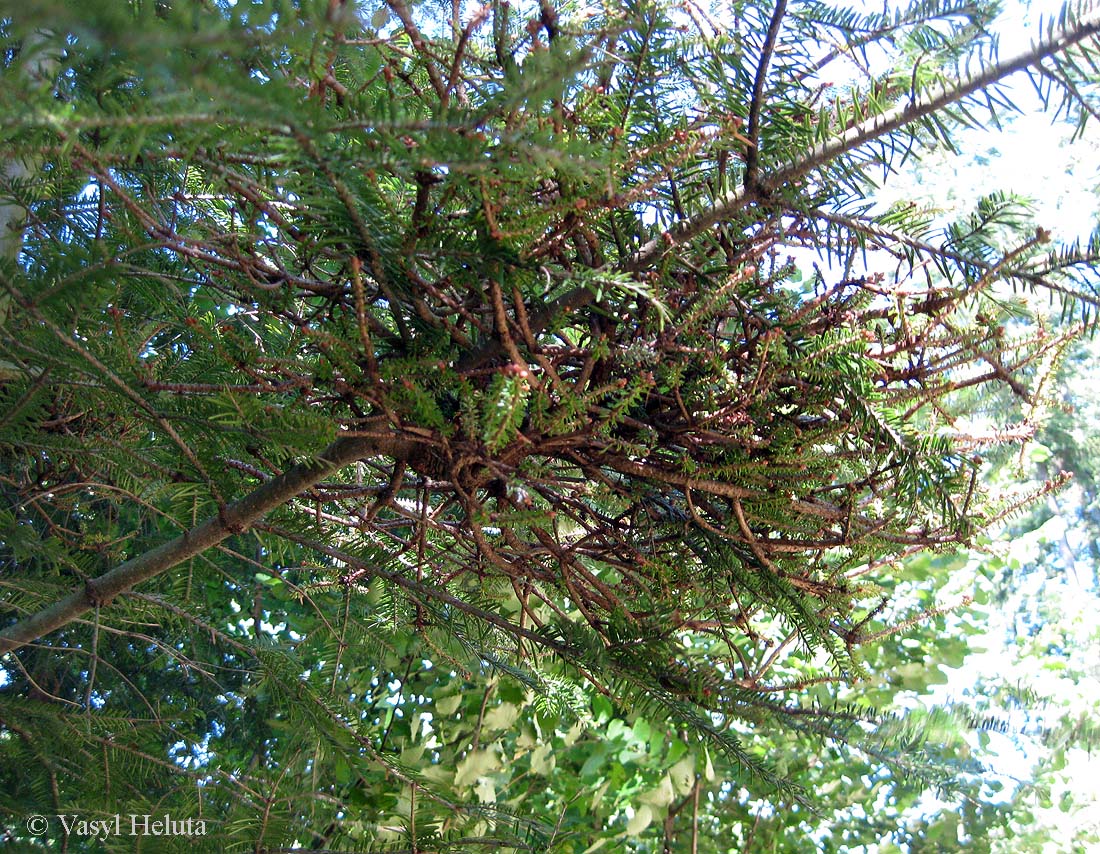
423	429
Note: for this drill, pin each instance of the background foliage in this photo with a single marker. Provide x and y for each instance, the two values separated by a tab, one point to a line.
498	476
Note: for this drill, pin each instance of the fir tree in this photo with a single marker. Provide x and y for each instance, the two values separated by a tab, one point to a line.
353	358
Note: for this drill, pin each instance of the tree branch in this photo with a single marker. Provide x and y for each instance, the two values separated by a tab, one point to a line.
884	236
752	153
876	126
236	517
935	100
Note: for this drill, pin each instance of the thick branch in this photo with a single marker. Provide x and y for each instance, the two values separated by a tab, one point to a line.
236	517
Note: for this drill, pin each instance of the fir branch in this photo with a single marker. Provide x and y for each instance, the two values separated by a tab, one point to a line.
237	516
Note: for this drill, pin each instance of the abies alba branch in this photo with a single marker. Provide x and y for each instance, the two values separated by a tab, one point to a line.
557	350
